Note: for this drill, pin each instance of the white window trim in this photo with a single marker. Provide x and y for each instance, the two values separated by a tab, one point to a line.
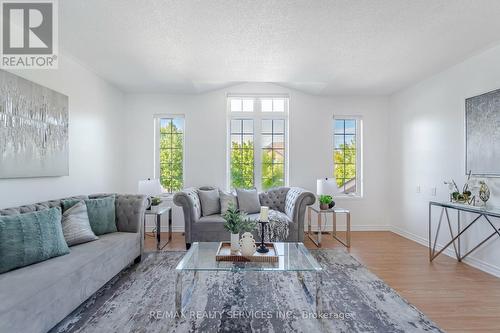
359	156
156	170
257	115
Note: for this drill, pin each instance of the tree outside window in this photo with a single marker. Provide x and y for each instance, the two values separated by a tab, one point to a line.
345	155
172	154
257	158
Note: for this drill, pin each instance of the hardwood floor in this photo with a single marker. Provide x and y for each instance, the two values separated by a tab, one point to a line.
458	297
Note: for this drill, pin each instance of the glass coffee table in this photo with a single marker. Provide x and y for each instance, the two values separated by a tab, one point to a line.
293	257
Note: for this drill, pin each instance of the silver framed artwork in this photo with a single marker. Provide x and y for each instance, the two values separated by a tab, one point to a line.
482	134
33	129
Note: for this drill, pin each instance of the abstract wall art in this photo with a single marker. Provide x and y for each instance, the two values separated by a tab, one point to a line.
33	129
482	132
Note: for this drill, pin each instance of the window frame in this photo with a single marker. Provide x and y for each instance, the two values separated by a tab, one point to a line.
359	153
157	121
257	115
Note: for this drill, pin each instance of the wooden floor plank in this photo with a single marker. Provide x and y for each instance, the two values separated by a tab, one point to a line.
458	297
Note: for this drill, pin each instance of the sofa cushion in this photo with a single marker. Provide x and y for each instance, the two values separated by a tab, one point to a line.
226	199
248	201
30	238
37	297
210	201
212	218
211	223
76	226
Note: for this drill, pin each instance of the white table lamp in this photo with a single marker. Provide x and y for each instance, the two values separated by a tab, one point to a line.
326	186
150	187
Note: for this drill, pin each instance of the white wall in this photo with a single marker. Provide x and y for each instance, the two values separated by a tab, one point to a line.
95	132
311	140
427	146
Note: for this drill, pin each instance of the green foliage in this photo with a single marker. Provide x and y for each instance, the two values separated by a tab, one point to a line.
155	201
171	155
242	166
461	197
248	225
235	220
325	199
345	163
273	169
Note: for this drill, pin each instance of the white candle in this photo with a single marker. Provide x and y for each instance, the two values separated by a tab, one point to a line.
264	214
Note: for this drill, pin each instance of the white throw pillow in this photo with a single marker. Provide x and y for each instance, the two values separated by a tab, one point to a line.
76	226
227	199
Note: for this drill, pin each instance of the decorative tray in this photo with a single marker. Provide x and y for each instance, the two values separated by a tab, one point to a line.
224	254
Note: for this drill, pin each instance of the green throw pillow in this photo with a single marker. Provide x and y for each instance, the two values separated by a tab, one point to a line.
101	213
29	238
68	203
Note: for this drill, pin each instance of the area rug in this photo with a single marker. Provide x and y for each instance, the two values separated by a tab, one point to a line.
141	299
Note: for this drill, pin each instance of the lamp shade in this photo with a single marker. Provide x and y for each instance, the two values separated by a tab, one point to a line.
326	186
150	187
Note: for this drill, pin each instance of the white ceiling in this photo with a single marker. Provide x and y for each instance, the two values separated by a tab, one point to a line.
326	47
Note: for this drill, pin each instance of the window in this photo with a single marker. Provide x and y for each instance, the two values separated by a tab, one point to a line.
242	152
273	153
257	141
347	154
170	157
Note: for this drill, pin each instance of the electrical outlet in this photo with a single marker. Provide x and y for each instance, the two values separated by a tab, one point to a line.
433	191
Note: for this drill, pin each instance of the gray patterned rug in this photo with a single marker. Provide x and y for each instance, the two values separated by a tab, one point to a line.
141	299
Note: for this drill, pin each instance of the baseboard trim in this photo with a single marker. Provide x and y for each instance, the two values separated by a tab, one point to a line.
354	227
471	261
164	228
328	227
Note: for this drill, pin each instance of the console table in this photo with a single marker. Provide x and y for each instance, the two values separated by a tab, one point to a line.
481	214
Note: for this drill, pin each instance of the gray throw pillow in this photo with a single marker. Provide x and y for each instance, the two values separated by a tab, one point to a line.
248	201
210	202
76	226
227	199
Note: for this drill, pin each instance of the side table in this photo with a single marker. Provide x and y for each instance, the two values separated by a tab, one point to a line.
158	213
333	211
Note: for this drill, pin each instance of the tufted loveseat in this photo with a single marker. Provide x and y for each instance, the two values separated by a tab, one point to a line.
289	202
36	297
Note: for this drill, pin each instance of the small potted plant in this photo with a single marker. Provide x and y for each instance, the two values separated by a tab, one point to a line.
464	196
155	202
325	201
236	222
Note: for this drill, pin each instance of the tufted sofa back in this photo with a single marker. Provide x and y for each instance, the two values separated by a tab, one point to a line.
274	198
130	209
38	206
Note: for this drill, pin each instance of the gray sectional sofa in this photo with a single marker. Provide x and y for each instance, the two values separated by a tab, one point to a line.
289	202
36	297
